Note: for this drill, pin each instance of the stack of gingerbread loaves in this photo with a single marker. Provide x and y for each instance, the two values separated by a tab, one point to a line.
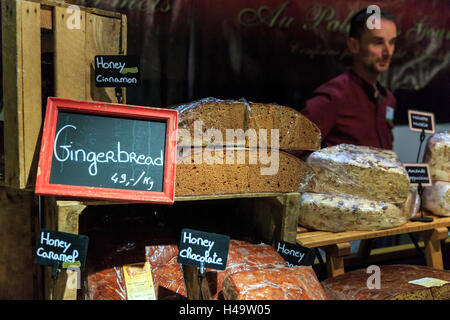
236	146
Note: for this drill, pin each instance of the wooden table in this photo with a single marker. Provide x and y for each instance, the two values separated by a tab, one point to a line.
337	245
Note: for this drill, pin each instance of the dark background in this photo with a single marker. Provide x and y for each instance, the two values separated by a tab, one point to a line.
278	51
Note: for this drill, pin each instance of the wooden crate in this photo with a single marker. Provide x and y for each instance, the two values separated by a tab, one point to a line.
269	216
30	30
337	244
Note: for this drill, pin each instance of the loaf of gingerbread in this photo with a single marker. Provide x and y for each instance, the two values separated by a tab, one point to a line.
394	282
437	155
239	170
242	256
288	283
370	173
245	124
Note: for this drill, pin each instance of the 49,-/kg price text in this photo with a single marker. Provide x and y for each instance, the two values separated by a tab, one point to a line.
123	179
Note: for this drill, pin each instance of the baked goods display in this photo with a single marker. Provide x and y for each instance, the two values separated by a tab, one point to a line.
242	256
356	188
295	131
395	284
288	283
436	198
239	170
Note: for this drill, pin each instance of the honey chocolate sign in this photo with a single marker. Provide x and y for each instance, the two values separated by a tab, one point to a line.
199	248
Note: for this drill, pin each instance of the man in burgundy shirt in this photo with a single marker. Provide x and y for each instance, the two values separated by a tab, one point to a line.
353	107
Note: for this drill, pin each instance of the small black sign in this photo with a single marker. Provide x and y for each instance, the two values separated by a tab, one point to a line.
295	255
117	71
197	247
64	249
419	121
418	173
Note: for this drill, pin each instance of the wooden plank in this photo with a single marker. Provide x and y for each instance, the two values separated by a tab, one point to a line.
12	91
432	245
103	37
18	273
32	92
318	239
61	216
46	18
227	196
289	217
70	61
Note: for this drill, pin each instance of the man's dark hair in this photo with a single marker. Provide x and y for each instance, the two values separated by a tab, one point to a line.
359	19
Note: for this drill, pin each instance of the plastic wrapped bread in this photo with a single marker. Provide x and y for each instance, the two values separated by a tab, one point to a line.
338	213
437	155
437	198
370	173
197	119
411	207
242	256
296	283
394	284
239	170
167	276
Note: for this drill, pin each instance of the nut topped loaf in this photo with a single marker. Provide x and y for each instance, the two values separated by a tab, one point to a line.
229	171
295	132
394	284
371	173
437	155
288	283
338	213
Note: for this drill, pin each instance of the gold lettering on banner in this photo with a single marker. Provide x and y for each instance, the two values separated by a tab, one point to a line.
422	30
318	14
162	6
274	18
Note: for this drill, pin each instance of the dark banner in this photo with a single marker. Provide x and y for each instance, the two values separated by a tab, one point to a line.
278	50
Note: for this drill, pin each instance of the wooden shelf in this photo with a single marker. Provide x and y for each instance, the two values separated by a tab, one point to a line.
312	239
337	244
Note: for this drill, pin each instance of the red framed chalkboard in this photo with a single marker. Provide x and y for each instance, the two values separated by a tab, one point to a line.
107	151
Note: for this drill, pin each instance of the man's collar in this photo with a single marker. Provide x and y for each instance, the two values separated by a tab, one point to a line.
367	87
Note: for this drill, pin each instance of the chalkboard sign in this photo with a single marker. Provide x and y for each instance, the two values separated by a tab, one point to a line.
117	71
197	247
418	173
107	151
419	121
61	248
295	255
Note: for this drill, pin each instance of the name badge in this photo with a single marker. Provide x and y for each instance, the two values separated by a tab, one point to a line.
389	113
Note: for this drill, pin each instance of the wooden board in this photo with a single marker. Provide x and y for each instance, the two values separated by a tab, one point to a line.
312	239
70	60
19	276
22	69
107	42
